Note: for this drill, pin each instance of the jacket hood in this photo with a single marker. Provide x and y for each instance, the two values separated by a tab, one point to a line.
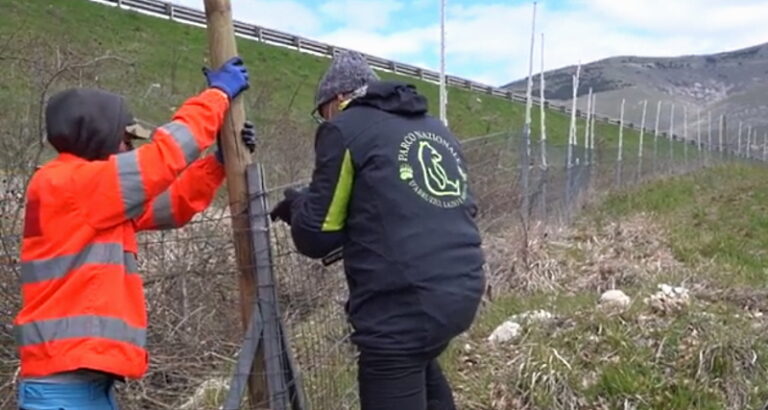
87	123
394	97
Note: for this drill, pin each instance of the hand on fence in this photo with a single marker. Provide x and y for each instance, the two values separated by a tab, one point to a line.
282	210
247	134
231	78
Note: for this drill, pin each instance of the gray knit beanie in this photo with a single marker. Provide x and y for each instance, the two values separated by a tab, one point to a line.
348	72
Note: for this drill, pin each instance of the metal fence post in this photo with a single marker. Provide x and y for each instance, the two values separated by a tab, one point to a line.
698	135
572	128
544	171
620	154
642	137
282	378
245	361
587	124
568	186
524	173
721	135
592	152
656	135
709	137
685	136
671	137
169	10
543	112
738	151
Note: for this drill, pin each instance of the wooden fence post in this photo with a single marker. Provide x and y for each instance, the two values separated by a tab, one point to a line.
221	42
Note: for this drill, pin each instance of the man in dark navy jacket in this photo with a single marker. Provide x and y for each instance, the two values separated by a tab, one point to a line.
390	186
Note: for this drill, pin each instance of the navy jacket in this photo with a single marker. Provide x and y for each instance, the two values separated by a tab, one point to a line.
390	185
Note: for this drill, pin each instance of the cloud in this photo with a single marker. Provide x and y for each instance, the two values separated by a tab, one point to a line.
422	4
499	35
361	14
687	17
272	14
490	39
410	44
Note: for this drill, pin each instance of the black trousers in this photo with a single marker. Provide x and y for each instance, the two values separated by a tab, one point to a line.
392	382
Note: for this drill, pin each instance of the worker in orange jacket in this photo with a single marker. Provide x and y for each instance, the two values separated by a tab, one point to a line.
83	321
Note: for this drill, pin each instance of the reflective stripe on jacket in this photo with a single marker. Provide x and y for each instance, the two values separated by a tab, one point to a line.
82	298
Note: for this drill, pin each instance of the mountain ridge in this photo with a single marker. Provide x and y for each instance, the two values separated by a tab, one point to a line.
731	83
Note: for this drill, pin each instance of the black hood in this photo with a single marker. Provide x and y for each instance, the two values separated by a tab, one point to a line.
87	123
394	97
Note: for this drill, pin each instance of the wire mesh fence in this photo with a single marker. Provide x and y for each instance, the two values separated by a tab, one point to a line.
312	296
190	275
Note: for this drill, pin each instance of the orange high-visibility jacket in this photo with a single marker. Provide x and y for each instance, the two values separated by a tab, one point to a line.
82	299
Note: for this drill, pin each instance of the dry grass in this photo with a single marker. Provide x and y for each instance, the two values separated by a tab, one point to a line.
710	354
616	255
587	257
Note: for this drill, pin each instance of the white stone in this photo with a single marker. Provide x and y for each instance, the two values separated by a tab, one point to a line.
506	332
669	299
532	316
614	298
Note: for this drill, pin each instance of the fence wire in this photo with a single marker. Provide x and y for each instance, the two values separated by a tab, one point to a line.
312	296
192	286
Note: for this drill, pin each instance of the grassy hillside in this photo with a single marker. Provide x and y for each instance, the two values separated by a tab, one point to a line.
171	54
157	64
708	233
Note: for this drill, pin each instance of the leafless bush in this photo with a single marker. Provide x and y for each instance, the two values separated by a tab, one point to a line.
191	290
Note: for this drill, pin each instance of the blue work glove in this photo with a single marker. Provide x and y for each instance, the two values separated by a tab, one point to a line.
231	78
248	135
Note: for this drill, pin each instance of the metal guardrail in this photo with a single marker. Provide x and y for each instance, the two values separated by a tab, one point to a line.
188	15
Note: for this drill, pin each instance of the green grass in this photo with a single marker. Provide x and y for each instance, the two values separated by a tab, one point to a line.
711	355
720	215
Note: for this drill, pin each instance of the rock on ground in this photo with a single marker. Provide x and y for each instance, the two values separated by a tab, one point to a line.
669	299
506	332
614	299
533	316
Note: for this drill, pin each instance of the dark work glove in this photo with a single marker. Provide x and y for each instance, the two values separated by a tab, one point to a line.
282	210
231	78
247	134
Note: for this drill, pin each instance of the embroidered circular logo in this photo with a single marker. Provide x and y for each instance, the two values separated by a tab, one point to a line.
433	169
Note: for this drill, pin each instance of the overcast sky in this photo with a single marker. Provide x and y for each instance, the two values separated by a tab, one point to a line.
489	40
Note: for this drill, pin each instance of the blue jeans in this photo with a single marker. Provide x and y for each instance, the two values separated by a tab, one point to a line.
99	395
